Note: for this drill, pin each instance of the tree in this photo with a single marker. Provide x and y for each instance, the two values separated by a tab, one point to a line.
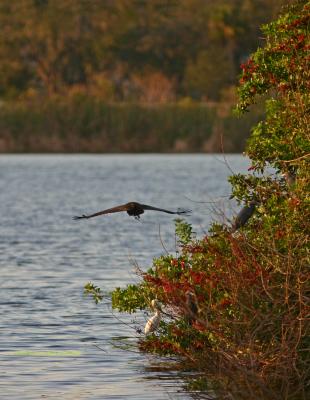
280	69
50	45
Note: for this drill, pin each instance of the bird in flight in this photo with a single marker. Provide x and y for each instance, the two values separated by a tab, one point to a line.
133	209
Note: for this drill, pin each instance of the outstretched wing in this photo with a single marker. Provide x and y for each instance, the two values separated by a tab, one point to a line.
179	211
183	211
123	207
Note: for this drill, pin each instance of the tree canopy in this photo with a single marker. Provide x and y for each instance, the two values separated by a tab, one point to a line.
150	51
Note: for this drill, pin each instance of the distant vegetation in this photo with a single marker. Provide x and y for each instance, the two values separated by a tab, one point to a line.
91	125
125	75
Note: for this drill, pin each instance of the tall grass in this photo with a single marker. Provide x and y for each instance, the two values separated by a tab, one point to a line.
85	124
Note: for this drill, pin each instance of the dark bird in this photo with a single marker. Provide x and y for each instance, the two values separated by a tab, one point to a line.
192	308
290	177
244	215
133	209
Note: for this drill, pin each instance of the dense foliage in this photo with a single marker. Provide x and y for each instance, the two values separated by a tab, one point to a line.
150	51
235	304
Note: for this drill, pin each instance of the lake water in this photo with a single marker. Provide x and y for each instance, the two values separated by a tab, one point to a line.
49	330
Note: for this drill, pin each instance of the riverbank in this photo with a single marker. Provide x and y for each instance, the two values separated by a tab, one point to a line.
88	125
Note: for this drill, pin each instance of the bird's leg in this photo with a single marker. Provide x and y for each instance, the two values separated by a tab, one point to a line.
137	217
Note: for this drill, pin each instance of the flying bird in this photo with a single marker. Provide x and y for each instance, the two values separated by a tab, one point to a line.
133	209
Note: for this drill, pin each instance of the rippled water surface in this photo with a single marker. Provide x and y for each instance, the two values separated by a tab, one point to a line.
49	330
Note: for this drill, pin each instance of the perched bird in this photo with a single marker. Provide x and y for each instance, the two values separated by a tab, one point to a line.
192	308
133	209
290	177
153	323
244	215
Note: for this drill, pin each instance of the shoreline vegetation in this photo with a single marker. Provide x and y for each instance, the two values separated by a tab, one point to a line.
83	124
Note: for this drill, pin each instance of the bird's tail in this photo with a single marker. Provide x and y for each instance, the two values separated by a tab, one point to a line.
79	217
183	211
